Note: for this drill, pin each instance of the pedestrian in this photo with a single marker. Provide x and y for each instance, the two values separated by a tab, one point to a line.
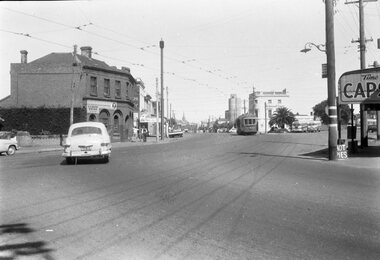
144	133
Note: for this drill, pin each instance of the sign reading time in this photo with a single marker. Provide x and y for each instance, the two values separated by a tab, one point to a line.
361	86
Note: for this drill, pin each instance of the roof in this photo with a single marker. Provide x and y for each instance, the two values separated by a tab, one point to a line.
68	59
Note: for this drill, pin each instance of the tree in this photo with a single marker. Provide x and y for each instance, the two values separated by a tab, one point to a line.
320	111
281	117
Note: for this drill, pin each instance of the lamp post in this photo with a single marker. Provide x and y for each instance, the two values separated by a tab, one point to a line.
329	49
307	48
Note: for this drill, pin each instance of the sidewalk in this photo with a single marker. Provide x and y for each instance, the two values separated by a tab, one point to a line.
40	148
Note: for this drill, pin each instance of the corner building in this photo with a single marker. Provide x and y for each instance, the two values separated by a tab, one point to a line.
58	79
263	104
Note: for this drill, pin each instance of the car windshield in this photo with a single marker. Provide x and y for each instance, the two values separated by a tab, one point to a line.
5	135
86	130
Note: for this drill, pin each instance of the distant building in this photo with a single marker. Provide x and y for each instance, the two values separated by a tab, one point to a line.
108	94
264	103
234	108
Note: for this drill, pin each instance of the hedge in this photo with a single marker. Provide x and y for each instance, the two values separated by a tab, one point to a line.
40	120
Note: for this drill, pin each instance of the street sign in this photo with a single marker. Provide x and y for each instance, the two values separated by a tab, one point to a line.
324	70
360	86
341	152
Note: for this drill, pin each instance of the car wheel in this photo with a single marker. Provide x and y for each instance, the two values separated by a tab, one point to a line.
69	160
106	159
11	150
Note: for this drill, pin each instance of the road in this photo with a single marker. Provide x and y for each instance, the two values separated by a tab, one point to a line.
206	196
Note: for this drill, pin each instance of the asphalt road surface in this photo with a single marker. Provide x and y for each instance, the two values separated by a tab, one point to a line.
206	196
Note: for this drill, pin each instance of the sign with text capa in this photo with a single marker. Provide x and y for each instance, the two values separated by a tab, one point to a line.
95	106
360	86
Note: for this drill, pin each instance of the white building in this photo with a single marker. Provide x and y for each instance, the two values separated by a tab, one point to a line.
234	107
264	103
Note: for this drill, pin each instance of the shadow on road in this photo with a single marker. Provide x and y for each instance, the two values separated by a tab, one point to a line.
317	155
11	251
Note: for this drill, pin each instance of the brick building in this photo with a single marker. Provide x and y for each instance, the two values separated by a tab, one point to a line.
57	80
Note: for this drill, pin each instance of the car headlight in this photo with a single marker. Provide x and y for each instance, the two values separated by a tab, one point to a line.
66	148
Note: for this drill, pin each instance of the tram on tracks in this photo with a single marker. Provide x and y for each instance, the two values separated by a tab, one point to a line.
246	124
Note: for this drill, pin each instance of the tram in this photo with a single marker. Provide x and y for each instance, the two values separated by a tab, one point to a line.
246	124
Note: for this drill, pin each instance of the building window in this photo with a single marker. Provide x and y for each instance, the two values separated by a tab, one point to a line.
269	101
269	113
279	101
93	86
128	92
256	112
256	101
117	89
107	89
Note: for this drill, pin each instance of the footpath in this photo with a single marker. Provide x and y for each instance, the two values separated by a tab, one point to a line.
54	145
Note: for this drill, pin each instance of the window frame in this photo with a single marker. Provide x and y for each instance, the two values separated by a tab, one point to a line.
93	87
105	93
117	89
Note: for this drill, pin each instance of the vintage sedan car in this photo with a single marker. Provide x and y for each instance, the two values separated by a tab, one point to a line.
8	143
87	140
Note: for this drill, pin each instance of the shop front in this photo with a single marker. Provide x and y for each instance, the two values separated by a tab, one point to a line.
117	116
361	87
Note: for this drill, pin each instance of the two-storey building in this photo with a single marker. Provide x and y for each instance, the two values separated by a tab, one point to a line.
264	103
65	80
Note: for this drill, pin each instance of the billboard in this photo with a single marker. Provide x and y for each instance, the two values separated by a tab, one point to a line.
360	86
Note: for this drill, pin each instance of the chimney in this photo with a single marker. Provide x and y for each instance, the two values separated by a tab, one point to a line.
126	69
86	51
24	56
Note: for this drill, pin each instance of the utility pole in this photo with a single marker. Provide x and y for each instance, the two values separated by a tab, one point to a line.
170	115
331	98
167	102
362	47
73	86
162	89
265	116
244	107
157	123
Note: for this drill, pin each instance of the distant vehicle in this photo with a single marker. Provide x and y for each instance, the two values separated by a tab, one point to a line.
87	140
278	130
8	143
175	133
246	124
314	126
299	128
372	125
232	130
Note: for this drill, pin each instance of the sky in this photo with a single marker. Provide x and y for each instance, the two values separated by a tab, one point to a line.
213	48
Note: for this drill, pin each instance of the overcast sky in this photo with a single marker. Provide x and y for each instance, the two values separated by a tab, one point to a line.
212	48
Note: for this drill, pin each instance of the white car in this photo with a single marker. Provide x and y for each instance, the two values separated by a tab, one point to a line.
8	144
87	140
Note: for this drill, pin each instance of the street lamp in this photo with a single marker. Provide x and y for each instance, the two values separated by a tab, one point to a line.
329	49
307	48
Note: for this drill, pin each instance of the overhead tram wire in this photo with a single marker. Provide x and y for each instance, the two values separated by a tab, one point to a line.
210	71
36	38
100	36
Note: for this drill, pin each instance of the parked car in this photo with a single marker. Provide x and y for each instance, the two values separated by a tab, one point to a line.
278	130
314	127
299	128
8	143
87	140
232	130
372	128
